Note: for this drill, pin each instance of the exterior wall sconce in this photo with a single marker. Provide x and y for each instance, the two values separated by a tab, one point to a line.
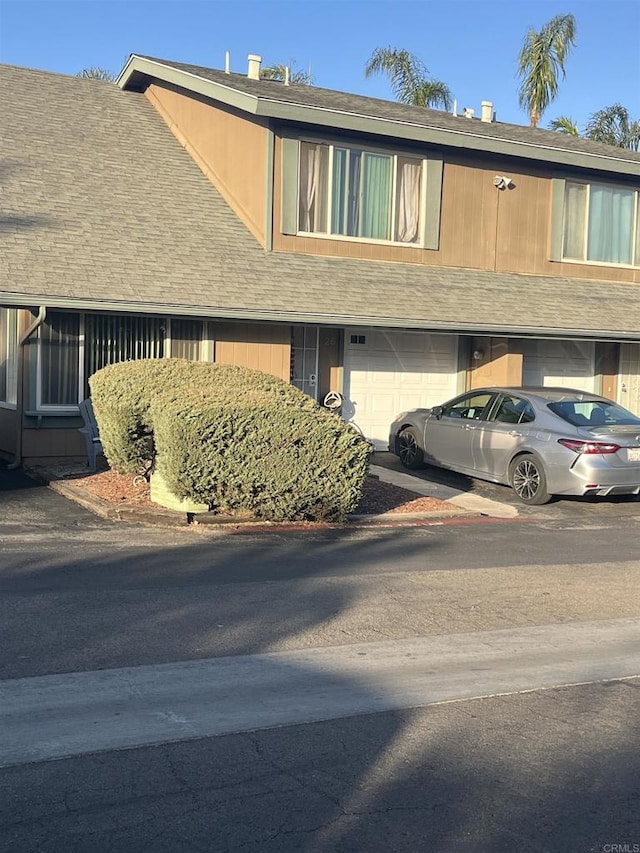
477	354
502	182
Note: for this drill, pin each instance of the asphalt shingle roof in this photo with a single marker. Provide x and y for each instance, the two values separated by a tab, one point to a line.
100	204
360	105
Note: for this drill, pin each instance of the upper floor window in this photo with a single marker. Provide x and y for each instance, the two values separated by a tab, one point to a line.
8	353
601	223
352	192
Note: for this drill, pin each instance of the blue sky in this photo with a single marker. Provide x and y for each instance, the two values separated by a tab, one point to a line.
472	45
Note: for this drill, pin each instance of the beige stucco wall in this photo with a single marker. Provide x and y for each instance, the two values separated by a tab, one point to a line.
231	150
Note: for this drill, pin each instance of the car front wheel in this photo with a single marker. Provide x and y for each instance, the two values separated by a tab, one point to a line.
528	480
409	449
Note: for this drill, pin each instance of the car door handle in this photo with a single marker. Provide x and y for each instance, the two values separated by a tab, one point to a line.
514	432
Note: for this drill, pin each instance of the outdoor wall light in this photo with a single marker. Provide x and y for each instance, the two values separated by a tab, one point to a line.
502	182
477	354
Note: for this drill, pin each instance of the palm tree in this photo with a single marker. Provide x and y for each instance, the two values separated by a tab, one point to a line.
97	74
566	125
541	61
613	125
279	73
409	78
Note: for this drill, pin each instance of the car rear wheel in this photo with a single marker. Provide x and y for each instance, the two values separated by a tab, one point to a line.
528	480
409	449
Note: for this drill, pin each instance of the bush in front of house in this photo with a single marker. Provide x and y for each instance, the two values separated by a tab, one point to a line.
230	437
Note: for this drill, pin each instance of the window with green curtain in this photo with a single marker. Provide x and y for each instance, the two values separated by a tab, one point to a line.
360	184
601	224
375	218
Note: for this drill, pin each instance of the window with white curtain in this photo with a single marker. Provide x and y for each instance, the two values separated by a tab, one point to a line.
601	224
8	355
358	193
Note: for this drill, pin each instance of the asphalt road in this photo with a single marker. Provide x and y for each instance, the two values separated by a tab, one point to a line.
545	770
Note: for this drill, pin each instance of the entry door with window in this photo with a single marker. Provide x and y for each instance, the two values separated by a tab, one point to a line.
304	359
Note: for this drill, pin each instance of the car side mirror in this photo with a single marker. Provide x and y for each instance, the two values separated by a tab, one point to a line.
437	411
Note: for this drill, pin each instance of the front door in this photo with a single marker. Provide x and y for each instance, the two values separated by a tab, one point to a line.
304	359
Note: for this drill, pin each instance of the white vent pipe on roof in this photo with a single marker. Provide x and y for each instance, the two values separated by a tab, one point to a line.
254	66
487	111
227	63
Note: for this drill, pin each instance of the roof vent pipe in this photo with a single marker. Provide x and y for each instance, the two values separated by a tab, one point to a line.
287	76
227	63
487	111
254	66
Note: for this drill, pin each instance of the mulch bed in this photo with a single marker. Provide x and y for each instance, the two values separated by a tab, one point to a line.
121	491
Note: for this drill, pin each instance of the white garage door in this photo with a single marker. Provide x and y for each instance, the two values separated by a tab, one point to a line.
629	379
564	364
386	373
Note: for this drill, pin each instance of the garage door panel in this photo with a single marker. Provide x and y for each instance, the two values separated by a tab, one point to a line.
391	372
566	364
629	378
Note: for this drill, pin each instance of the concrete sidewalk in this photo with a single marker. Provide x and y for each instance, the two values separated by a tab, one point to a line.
55	716
456	498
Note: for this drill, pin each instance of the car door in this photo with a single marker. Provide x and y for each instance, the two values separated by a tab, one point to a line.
449	435
497	438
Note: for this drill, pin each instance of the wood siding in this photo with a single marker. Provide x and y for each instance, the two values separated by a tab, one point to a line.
481	227
498	364
230	150
263	347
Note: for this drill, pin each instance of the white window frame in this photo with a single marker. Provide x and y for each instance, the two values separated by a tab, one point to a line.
394	155
11	359
634	231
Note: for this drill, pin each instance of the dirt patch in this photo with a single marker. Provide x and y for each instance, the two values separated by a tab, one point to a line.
123	490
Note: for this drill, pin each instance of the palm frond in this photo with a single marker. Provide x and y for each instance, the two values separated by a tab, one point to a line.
564	124
541	62
613	126
408	77
279	73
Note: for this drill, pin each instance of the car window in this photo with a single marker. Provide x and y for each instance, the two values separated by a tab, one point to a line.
514	410
593	413
471	406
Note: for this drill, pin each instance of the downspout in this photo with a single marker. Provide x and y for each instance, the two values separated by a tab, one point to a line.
39	320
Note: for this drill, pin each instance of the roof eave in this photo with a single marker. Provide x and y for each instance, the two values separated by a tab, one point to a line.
314	318
138	69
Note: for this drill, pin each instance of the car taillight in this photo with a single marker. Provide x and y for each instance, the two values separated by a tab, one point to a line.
589	446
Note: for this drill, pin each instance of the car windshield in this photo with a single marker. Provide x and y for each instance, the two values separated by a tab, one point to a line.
593	413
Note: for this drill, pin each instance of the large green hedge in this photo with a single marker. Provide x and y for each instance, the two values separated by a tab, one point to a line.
230	437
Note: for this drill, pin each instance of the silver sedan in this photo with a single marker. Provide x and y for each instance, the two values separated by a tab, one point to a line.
540	441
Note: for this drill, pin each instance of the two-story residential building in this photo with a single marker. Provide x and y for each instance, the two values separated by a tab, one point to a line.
393	253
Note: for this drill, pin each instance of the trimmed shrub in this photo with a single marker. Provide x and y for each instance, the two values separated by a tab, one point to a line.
230	437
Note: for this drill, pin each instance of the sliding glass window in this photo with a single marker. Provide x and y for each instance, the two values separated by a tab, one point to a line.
602	224
351	192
